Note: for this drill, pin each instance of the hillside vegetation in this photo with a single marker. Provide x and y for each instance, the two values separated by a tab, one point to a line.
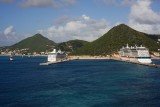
36	43
71	45
107	44
117	37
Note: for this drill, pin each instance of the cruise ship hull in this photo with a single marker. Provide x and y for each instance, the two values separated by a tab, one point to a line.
135	59
145	60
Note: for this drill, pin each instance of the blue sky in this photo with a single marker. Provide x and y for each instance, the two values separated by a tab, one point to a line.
63	20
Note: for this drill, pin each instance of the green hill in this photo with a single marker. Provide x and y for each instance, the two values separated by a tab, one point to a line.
115	38
154	37
71	45
36	43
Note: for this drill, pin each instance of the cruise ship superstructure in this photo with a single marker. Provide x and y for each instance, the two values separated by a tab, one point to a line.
135	54
56	56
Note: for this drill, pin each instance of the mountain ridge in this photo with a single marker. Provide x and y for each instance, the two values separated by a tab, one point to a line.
107	44
38	43
35	43
114	39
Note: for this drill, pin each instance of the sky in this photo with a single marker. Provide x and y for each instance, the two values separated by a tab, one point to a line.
63	20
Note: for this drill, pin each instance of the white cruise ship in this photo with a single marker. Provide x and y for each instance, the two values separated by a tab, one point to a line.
135	54
56	56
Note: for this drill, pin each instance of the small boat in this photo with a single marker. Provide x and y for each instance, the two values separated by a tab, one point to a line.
10	58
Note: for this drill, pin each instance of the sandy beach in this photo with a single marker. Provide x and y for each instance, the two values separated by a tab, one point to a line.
89	57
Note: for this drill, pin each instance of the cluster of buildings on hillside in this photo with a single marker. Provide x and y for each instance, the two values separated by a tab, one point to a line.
20	52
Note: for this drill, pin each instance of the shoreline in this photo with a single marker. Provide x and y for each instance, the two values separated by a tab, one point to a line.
89	57
80	57
101	57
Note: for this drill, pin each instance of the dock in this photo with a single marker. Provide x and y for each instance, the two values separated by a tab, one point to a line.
113	58
52	62
55	62
144	64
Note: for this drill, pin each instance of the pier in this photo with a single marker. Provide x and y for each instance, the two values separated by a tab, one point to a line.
53	62
113	58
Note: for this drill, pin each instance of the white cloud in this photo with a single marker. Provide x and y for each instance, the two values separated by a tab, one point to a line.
143	18
141	12
74	26
47	3
83	27
9	31
9	37
85	17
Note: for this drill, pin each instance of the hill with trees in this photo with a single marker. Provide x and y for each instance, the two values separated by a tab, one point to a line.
71	45
117	37
36	43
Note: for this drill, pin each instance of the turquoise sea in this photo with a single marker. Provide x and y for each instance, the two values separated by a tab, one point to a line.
78	83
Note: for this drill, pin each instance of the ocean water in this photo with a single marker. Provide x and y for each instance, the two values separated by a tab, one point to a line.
78	83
